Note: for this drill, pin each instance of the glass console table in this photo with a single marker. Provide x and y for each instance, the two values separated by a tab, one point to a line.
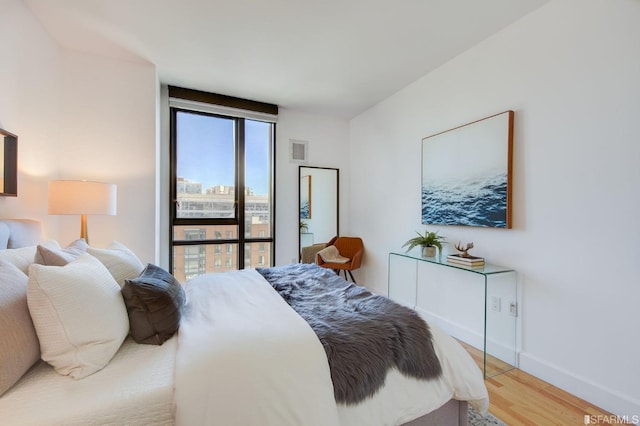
477	305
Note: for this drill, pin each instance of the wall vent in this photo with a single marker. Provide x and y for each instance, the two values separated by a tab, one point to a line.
298	151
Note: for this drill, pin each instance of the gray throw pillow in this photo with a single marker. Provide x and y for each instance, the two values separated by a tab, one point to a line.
154	303
60	256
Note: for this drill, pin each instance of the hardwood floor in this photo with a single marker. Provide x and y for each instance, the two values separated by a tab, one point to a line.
518	398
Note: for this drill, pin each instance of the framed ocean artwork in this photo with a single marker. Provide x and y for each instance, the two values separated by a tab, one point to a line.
466	174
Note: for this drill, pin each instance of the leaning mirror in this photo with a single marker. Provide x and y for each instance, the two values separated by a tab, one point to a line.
318	205
8	164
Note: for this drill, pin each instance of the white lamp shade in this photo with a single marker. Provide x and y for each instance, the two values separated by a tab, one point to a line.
82	197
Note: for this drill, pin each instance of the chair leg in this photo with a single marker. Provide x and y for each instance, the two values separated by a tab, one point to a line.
337	272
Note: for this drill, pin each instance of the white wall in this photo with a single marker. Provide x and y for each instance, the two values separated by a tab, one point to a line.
108	122
78	117
328	147
29	82
570	71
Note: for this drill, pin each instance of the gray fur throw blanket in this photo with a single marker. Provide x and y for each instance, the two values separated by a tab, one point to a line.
363	334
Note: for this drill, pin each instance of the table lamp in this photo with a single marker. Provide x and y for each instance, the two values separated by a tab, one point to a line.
82	197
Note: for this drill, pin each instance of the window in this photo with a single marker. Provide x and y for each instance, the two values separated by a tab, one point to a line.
222	179
193	258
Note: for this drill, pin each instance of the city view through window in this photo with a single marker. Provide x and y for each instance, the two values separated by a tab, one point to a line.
217	227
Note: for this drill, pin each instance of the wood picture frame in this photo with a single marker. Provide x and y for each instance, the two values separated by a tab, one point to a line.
305	197
467	174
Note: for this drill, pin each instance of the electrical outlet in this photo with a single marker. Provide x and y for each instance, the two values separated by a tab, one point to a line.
513	309
495	303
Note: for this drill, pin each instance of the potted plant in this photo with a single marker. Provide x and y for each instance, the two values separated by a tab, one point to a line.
429	241
304	226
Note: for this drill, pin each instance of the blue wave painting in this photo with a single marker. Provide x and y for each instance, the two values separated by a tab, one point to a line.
305	210
465	174
481	201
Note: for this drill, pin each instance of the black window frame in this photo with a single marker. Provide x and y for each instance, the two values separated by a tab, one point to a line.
239	219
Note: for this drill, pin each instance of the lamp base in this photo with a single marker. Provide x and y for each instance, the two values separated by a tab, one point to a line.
83	228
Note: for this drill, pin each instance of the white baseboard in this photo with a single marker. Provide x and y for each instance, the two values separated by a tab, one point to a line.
454	329
605	398
499	350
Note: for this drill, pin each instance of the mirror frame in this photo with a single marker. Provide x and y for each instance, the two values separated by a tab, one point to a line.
300	199
9	172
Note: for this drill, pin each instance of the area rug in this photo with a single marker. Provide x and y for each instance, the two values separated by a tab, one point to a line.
477	419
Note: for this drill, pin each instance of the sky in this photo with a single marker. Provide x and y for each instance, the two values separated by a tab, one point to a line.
206	151
474	150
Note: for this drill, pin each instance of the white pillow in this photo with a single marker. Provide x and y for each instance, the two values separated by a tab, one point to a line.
25	256
119	260
78	313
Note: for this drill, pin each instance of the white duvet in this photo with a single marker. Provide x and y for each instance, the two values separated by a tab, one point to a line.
134	389
242	357
246	358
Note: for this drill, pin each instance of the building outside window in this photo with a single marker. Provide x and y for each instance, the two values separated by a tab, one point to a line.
193	257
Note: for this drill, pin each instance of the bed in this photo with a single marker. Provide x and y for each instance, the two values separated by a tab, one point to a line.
242	356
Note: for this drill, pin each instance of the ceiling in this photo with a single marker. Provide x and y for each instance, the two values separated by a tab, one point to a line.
333	57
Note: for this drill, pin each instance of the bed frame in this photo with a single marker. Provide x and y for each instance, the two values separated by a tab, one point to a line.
453	413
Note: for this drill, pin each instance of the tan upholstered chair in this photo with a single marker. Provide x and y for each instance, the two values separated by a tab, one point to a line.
349	247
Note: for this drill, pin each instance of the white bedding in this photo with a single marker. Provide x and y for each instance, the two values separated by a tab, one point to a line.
245	357
242	357
403	399
135	388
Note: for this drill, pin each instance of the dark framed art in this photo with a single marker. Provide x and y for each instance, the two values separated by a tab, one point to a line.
8	164
466	174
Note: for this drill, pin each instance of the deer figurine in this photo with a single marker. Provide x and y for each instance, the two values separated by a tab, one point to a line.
464	250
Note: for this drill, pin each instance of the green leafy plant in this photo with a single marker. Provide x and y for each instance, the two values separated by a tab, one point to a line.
304	226
429	239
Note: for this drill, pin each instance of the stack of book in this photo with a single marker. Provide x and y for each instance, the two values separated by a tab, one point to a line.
466	261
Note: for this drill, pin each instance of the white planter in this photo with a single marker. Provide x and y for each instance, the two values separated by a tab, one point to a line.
429	251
